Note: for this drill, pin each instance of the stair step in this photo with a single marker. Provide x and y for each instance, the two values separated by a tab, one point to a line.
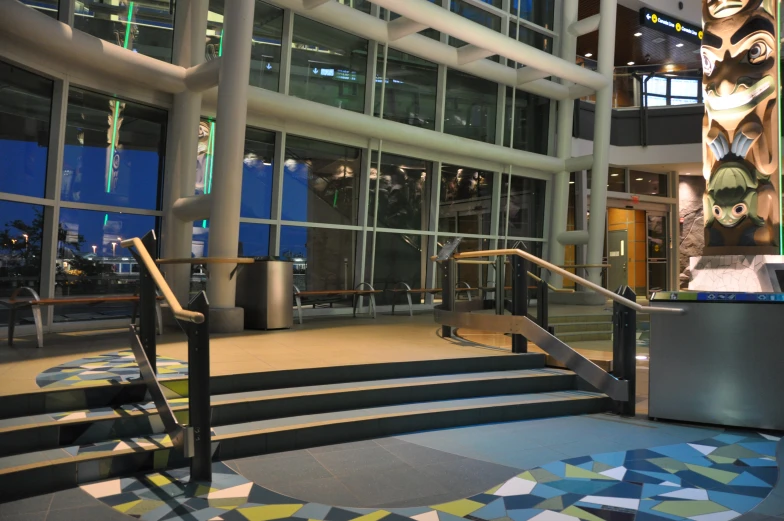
47	431
47	401
53	469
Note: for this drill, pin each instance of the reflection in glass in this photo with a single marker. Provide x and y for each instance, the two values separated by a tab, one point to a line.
320	182
47	7
359	5
323	257
646	183
410	92
265	47
113	151
616	179
473	275
526	203
21	236
25	107
91	261
399	258
470	108
530	121
142	26
328	65
257	173
403	200
465	200
476	15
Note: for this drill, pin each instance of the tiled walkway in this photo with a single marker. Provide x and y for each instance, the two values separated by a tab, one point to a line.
638	471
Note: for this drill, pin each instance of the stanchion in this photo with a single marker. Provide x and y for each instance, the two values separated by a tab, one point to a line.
449	280
519	300
542	309
199	389
147	302
625	349
500	279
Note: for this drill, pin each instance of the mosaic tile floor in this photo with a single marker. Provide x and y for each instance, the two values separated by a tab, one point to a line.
105	369
716	479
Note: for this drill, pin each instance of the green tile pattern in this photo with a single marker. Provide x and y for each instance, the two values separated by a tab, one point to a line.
716	479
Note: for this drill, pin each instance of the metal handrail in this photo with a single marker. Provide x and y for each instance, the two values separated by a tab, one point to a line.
578	280
174	304
552	288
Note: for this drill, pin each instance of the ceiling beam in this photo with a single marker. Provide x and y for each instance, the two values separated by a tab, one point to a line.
529	74
400	27
471	53
312	4
585	26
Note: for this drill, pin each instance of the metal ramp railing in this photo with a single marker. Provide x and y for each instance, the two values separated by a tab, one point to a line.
620	384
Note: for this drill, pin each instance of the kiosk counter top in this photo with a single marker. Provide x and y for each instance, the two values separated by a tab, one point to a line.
721	361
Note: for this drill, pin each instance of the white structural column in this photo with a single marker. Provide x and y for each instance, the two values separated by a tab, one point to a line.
230	120
182	145
601	139
560	208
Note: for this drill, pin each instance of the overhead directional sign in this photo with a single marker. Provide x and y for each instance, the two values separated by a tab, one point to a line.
669	25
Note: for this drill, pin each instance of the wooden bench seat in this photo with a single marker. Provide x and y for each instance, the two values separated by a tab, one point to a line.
408	291
35	303
330	296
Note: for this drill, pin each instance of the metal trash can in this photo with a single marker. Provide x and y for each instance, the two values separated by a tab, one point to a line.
265	289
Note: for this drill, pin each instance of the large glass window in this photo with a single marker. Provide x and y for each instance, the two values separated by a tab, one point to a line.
400	258
360	5
265	47
530	121
470	106
254	240
403	188
114	151
91	261
328	65
539	12
410	91
48	7
465	200
323	257
21	236
25	108
529	36
524	199
477	15
667	90
142	26
257	173
320	182
646	183
430	33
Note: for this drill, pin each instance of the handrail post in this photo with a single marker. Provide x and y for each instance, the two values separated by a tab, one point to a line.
500	279
199	389
519	300
448	291
147	302
542	309
625	349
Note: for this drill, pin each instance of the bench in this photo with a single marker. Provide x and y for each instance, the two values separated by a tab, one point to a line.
330	296
36	303
408	291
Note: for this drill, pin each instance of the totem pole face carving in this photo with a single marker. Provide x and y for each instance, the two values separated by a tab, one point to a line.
740	129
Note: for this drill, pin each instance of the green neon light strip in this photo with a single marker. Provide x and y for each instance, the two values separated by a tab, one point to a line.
105	218
778	133
116	116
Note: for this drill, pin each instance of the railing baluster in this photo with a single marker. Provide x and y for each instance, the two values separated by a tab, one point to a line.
500	284
519	300
625	349
199	389
147	303
448	291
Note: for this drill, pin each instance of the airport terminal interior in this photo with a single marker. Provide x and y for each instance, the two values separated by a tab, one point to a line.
399	260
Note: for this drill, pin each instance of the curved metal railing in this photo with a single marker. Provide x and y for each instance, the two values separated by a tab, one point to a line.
160	282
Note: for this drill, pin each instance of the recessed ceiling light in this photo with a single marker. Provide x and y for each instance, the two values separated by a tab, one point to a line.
678	45
613	175
638	179
638	34
687	173
588	54
630	63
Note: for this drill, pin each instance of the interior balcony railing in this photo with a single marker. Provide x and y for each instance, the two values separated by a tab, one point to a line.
619	384
193	439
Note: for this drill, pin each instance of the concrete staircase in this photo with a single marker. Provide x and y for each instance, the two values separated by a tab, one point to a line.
56	439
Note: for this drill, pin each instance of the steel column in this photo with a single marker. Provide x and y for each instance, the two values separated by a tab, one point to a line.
147	315
519	299
625	349
199	389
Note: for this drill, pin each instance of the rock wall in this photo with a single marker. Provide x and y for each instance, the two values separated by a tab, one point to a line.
692	239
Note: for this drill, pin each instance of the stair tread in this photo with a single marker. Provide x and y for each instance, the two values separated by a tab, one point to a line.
90	415
154	442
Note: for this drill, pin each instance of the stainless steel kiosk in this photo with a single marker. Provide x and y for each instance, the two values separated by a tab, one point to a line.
721	362
265	289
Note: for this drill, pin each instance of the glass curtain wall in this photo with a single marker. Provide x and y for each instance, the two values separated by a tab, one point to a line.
471	105
47	7
409	90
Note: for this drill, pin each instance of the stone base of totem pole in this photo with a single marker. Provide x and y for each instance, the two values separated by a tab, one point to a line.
742	273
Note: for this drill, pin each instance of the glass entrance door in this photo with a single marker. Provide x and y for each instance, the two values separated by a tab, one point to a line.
658	251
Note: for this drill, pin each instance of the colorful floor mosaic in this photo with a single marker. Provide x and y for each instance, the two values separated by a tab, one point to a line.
109	368
716	479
